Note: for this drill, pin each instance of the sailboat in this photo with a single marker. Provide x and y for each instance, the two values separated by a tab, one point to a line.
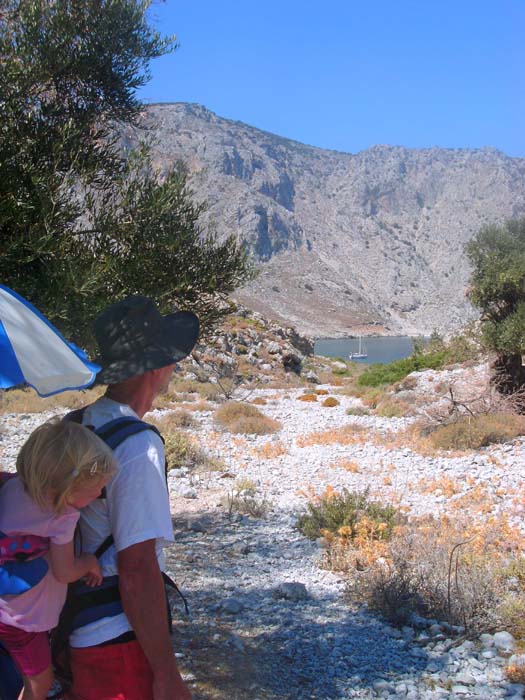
361	353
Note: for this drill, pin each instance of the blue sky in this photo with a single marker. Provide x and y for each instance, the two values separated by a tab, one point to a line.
348	74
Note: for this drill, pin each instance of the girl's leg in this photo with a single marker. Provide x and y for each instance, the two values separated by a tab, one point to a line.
37	687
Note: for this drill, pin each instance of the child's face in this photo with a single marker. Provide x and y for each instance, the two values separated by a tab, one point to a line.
88	492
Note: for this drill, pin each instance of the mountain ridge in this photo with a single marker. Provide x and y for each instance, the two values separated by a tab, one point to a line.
346	243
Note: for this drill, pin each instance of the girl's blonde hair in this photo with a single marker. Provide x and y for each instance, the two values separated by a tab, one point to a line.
60	457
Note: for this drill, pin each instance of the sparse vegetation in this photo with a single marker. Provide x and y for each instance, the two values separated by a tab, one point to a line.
393	408
182	451
307	397
238	417
336	514
345	435
244	499
271	450
448	570
27	401
473	432
330	402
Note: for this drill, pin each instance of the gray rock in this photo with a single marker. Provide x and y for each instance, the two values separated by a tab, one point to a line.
504	641
232	606
187	491
291	590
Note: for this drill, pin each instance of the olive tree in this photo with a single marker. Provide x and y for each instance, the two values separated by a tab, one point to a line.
83	221
497	255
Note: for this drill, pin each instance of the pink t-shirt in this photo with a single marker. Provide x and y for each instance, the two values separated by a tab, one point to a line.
36	610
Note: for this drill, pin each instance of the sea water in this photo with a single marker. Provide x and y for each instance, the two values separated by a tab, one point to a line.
380	349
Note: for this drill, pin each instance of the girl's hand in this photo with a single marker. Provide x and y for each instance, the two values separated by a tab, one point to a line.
94	575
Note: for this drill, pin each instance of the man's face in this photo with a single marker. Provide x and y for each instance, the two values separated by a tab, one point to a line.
164	376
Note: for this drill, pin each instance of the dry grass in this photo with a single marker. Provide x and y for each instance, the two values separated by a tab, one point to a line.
347	465
444	485
27	401
183	451
345	435
179	389
259	401
449	569
271	450
238	417
357	411
307	397
393	408
244	499
322	392
174	419
516	673
330	402
473	432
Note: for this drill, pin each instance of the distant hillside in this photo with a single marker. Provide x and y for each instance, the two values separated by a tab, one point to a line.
371	242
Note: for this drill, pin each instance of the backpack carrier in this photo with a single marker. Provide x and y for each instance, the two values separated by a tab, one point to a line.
84	604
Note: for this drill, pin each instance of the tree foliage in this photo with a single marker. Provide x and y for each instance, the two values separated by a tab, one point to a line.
497	255
84	222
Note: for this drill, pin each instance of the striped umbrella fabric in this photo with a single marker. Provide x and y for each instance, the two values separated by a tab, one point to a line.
33	352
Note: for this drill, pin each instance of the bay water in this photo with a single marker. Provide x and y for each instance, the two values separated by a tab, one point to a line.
379	349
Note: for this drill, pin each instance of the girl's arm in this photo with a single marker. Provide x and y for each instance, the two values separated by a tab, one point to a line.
67	568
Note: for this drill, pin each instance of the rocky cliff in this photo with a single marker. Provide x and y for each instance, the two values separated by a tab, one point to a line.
371	242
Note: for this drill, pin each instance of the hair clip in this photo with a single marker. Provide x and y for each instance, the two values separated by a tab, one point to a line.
94	468
75	472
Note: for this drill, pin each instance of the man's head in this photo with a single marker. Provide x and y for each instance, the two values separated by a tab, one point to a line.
134	338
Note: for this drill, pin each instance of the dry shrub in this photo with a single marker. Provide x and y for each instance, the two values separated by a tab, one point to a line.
259	401
355	528
330	402
345	435
357	411
473	432
393	408
511	612
238	417
244	499
516	673
446	569
347	465
271	450
372	397
407	384
174	419
183	451
322	392
307	397
445	484
27	401
198	406
206	390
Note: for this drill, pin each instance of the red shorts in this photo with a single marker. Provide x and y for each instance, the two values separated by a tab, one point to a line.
29	650
111	672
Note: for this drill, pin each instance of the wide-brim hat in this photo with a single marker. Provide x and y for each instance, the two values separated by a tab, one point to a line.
134	337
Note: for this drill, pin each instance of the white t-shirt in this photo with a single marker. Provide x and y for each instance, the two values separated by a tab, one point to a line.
136	509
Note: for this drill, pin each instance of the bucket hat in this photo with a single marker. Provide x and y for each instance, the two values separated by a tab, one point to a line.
134	337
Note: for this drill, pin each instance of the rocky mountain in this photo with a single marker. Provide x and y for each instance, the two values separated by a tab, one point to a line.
364	243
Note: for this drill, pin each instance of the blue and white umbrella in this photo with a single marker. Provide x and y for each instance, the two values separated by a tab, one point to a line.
33	352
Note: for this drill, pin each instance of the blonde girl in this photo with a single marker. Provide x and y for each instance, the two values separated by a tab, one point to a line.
62	467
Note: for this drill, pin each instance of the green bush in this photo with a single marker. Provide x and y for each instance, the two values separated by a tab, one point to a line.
336	510
395	371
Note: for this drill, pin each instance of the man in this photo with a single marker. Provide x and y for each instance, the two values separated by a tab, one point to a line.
129	655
